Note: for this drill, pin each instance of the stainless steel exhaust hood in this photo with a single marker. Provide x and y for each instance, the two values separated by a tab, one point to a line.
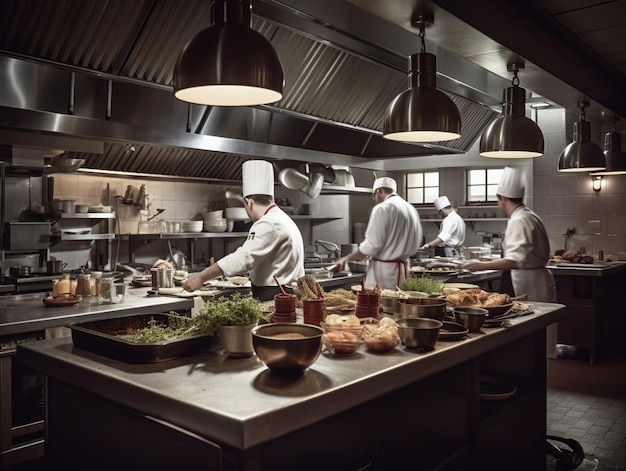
117	88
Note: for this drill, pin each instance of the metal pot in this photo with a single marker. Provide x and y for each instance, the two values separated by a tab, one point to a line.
55	266
19	271
431	308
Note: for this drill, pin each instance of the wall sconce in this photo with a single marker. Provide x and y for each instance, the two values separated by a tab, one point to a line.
596	182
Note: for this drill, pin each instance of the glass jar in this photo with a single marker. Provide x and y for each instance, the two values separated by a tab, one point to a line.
83	285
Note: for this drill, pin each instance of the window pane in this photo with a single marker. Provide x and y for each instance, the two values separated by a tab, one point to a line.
414	195
430	194
431	179
476	193
491	192
493	175
414	179
475	177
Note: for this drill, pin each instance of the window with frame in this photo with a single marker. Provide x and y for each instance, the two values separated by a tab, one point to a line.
422	187
482	185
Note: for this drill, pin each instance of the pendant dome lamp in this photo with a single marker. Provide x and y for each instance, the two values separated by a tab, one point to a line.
582	155
229	63
615	156
422	113
513	135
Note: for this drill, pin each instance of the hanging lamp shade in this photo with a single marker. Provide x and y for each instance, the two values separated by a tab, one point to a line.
229	63
614	155
582	155
512	135
422	113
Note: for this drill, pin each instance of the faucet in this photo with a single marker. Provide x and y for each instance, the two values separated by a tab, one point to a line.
326	244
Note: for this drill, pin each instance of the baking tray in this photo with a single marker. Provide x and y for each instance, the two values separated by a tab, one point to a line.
102	337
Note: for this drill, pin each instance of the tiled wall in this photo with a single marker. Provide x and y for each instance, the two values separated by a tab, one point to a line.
567	199
182	200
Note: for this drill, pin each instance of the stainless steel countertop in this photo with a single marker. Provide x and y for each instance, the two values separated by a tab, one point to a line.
27	313
238	402
579	269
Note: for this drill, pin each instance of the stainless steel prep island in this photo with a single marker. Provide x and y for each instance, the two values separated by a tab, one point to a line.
213	412
27	313
593	294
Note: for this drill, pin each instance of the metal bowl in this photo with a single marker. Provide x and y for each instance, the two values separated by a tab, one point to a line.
413	308
287	348
419	333
470	317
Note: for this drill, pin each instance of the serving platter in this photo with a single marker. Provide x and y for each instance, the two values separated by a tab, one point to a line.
62	301
461	286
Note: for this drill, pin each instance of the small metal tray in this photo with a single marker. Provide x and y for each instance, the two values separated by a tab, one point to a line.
102	337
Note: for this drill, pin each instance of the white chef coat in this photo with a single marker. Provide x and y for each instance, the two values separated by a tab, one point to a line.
526	242
452	231
393	234
274	247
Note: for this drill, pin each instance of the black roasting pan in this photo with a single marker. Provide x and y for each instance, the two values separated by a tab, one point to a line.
103	337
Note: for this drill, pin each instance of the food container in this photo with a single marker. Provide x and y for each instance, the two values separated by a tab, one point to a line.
103	337
83	285
112	292
81	208
287	349
342	339
414	308
420	334
192	226
476	253
470	317
381	336
68	206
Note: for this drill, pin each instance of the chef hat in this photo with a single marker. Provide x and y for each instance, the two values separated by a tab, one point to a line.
441	202
258	178
511	183
385	182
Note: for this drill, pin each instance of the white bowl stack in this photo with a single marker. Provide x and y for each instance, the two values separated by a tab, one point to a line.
235	214
192	226
214	222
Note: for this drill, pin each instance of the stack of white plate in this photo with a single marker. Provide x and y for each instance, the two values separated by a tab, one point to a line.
192	226
214	222
236	214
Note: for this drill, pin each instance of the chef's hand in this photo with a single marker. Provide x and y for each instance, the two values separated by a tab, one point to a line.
340	263
192	284
425	246
473	265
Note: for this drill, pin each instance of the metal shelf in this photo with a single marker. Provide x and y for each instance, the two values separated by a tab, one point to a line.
90	237
140	240
86	216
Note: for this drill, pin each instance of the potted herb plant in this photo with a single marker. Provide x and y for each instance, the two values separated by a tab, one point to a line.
232	319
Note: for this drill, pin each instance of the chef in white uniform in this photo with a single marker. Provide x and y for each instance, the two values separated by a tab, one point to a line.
393	234
526	248
451	232
274	246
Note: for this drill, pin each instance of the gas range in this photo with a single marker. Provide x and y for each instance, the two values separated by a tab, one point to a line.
35	282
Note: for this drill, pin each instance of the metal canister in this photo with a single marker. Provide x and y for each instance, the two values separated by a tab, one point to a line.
165	277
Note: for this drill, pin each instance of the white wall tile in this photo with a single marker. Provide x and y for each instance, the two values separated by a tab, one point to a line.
576	204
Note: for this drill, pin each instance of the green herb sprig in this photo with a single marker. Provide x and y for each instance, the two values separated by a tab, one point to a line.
423	284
